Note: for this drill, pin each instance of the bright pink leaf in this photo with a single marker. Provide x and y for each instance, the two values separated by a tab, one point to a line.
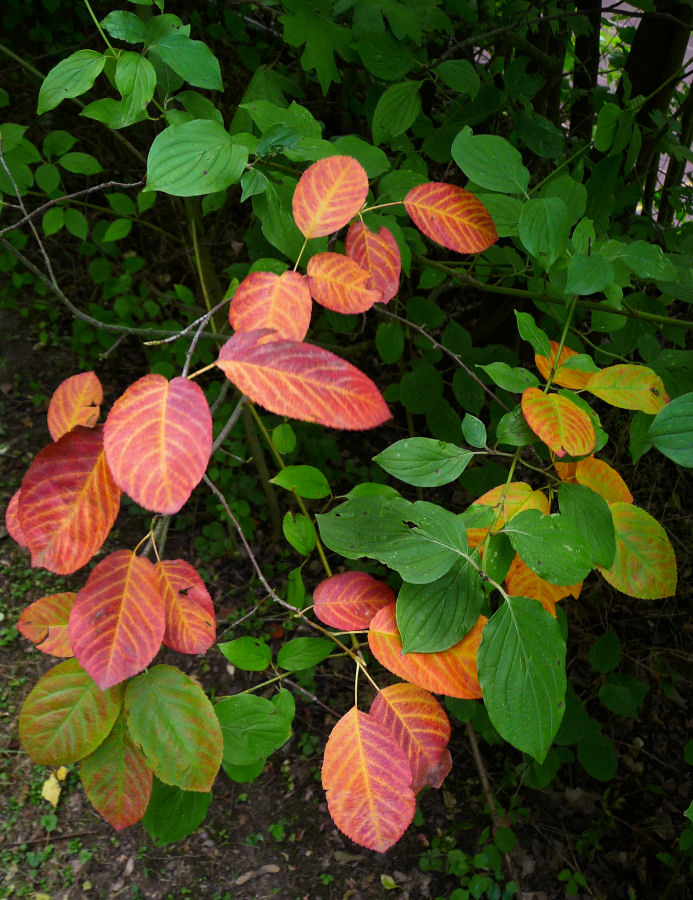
280	302
451	216
349	601
338	283
12	524
44	623
77	401
190	622
328	195
377	253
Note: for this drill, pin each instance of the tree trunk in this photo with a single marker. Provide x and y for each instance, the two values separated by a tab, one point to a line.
585	71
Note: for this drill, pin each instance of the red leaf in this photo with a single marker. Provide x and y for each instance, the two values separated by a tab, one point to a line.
560	424
338	283
280	302
68	501
349	601
328	195
189	611
451	216
14	529
77	401
117	621
420	726
378	254
302	381
367	780
158	439
44	623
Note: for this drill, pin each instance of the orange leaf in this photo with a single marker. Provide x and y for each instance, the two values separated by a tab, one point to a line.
645	565
117	620
566	377
302	381
328	195
280	302
367	780
14	529
451	216
158	439
452	672
560	424
629	387
44	623
420	726
602	479
378	254
519	496
189	611
338	283
77	401
521	581
68	501
349	601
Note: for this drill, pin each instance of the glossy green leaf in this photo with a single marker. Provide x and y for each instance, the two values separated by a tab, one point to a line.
124	26
473	431
303	653
671	431
589	514
173	813
299	532
306	481
192	60
551	546
490	161
423	461
247	653
511	378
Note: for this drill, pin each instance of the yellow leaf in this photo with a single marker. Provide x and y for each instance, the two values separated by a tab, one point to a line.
50	790
629	387
61	773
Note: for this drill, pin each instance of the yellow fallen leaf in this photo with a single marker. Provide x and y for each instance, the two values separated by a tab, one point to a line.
61	773
50	790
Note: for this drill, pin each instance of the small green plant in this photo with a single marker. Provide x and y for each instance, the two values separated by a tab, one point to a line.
572	882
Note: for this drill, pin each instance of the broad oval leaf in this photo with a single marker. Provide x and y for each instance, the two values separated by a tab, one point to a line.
304	481
672	430
367	780
66	715
575	379
278	302
302	381
158	440
645	564
424	462
44	623
70	78
507	502
551	546
328	195
521	581
188	608
349	601
451	216
452	672
12	524
173	814
77	401
560	424
598	475
117	619
377	253
173	724
68	501
589	513
420	726
252	728
629	387
339	283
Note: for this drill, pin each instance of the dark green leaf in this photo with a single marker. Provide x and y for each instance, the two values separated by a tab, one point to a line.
424	461
605	653
172	813
490	161
304	652
671	431
551	546
589	514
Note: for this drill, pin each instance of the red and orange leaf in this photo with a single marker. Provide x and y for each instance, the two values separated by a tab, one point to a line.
560	424
518	497
367	780
14	529
328	195
566	471
158	439
521	581
117	779
117	620
339	283
279	302
452	672
44	623
629	387
420	726
77	401
645	565
566	377
349	601
377	253
451	216
302	381
68	501
66	715
189	611
602	479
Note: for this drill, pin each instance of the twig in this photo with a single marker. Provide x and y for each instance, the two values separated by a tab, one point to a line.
312	697
230	422
208	316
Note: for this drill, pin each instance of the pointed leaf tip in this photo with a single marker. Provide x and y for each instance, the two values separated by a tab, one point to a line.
451	216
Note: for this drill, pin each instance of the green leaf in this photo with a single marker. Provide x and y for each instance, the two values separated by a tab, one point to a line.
551	546
544	228
607	124
373	159
521	666
473	431
252	728
512	429
423	461
70	78
671	431
306	481
299	532
311	23
597	756
297	118
389	341
589	514
530	332
505	212
539	134
460	75
572	193
53	220
47	177
284	438
648	261
117	230
498	556
513	379
421	389
273	209
173	813
247	653
623	695
192	60
396	110
136	80
76	223
124	26
490	161
304	653
80	163
384	57
588	274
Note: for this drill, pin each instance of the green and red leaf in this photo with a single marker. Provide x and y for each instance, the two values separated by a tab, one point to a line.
451	216
12	524
349	601
377	253
629	387
77	401
565	376
279	302
598	475
338	283
328	195
560	424
44	623
189	611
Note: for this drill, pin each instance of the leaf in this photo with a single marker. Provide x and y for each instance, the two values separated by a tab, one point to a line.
589	513
51	790
66	715
192	60
509	378
117	779
551	546
173	814
424	461
278	302
588	274
302	381
68	501
451	216
339	283
629	387
158	440
396	110
349	601
564	375
173	723
377	253
367	780
76	401
560	424
530	332
490	161
322	38
247	653
645	564
521	581
252	728
188	608
522	675
299	532
12	524
415	719
597	475
516	497
671	432
305	481
70	78
44	622
452	672
544	228
304	653
460	75
328	195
